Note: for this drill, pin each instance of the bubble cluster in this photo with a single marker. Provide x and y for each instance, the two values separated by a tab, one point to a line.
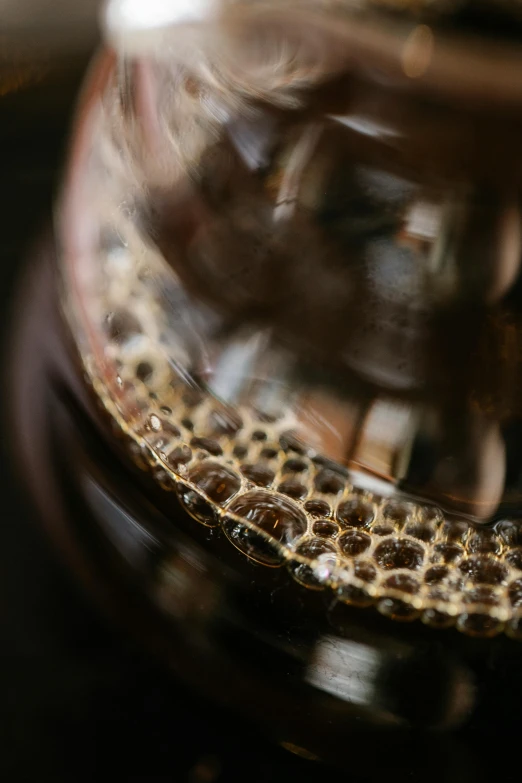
282	505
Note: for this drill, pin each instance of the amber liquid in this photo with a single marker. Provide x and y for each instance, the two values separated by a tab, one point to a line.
313	672
309	347
325	679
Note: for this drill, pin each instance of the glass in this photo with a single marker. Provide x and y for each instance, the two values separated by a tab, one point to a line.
289	243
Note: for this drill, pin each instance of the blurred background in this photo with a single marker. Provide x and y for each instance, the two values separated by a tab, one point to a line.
77	701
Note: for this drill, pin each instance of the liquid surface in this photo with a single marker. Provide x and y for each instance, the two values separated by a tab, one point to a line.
298	317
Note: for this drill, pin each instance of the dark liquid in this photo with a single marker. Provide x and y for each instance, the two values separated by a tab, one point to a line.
326	323
322	677
311	671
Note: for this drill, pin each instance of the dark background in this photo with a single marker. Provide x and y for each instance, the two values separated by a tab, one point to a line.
78	701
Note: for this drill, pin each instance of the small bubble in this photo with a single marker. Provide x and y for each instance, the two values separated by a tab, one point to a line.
328	482
435	618
420	530
278	518
515	627
196	505
383	530
481	595
207	444
431	514
293	488
121	326
447	553
170	428
515	593
259	435
514	558
510	532
330	464
484	569
154	423
192	86
455	531
397	512
216	481
353	595
436	574
240	451
192	398
225	421
290	442
404	582
314	576
354	513
188	424
139	455
294	466
144	371
180	456
365	570
255	546
439	592
318	508
479	624
258	474
354	543
267	418
325	528
397	609
268	453
163	479
484	541
399	553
